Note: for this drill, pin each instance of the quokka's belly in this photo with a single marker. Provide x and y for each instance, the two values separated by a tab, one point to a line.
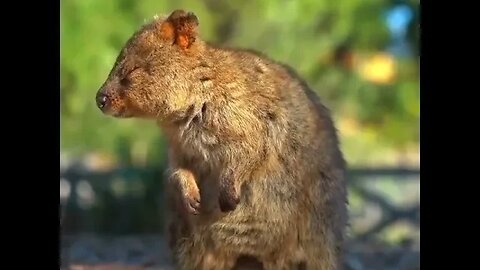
250	235
244	238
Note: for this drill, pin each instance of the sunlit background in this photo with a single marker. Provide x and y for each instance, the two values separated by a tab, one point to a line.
362	59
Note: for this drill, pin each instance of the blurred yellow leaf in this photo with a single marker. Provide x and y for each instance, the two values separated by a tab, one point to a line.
348	126
379	69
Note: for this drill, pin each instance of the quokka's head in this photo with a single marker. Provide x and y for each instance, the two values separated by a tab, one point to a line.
152	76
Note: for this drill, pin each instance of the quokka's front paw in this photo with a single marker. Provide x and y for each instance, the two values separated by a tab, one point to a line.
187	194
191	201
228	198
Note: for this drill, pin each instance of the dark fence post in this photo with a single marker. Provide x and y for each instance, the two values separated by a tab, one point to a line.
71	211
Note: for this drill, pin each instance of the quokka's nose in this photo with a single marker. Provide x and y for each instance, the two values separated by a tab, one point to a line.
101	99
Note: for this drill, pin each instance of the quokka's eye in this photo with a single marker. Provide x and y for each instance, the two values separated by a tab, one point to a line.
125	81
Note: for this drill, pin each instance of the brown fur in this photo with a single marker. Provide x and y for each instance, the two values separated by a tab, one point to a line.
256	173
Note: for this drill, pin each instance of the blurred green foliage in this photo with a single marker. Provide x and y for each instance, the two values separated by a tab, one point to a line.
317	38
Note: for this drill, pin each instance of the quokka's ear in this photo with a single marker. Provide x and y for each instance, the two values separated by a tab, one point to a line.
181	28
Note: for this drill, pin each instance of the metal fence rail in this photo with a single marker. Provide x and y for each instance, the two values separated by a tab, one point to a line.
73	217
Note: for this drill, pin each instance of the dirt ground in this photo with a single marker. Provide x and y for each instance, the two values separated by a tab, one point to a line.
89	252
